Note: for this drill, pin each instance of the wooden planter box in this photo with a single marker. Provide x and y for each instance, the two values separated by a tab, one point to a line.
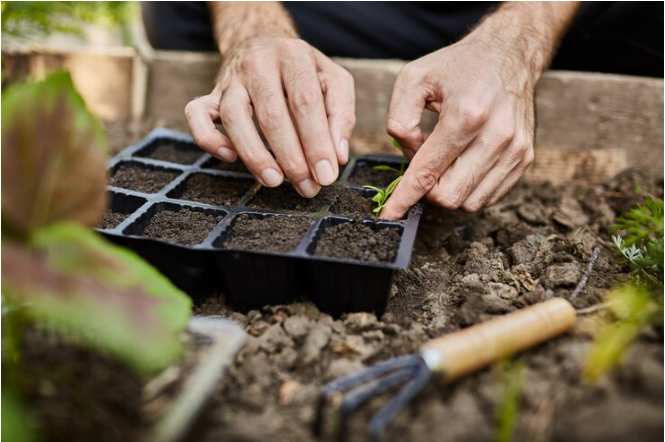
589	126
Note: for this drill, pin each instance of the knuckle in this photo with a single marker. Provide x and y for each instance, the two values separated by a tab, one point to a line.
190	108
410	71
449	201
206	140
348	118
529	157
472	206
293	47
398	130
306	99
228	112
473	114
295	170
516	153
424	180
271	114
251	63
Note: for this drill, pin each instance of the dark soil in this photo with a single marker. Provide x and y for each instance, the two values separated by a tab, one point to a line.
270	234
353	203
182	154
185	226
141	179
465	269
112	219
364	175
218	191
354	240
215	164
76	394
286	198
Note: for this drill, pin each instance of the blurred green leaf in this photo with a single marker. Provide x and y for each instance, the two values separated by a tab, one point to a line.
15	421
75	281
512	377
53	157
633	309
25	20
385	167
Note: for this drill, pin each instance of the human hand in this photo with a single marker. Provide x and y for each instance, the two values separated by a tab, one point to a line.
483	89
260	76
483	140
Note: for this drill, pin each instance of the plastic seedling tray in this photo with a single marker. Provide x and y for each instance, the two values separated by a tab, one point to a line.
208	261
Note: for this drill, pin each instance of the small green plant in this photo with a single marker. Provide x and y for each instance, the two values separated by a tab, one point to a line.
382	195
512	377
639	303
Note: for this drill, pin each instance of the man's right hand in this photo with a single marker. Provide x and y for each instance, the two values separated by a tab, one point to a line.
274	78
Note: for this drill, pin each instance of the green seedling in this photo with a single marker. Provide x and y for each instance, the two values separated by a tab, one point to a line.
399	171
382	195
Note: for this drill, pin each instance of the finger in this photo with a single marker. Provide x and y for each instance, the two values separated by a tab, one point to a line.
236	116
273	116
448	140
340	101
515	159
201	114
472	166
306	100
406	109
511	180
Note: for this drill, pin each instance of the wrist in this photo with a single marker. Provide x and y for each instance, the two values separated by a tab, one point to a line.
525	34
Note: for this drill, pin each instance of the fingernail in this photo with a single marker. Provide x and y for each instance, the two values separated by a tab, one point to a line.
271	177
324	172
308	188
226	154
344	149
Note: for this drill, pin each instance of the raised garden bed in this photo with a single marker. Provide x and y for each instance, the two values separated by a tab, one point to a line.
211	230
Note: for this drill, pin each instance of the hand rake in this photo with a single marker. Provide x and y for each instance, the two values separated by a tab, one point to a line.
452	356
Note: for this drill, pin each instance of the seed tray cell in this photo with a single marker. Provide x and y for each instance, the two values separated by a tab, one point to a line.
252	278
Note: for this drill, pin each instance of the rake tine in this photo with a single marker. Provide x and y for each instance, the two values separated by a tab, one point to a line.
386	414
357	397
351	381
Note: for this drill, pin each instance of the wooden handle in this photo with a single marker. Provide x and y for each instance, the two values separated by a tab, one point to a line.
473	348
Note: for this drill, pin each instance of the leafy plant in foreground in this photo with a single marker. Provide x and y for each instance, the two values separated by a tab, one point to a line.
56	272
382	195
638	304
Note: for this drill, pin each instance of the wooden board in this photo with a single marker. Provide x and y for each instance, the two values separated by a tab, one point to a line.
589	125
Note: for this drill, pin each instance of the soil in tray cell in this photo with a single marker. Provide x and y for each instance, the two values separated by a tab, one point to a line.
174	153
363	174
270	234
141	179
352	240
112	219
210	189
285	197
184	226
215	164
353	203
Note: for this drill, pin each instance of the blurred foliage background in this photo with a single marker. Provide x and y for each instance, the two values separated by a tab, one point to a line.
52	23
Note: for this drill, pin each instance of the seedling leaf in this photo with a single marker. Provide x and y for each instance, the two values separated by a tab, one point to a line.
386	167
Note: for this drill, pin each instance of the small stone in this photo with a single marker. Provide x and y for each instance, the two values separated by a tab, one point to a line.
503	291
373	335
274	339
239	318
257	328
569	213
253	315
315	342
360	321
533	213
297	326
566	274
286	392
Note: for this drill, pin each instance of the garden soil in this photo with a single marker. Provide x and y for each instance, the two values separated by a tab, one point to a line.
356	241
465	269
184	226
270	234
173	154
